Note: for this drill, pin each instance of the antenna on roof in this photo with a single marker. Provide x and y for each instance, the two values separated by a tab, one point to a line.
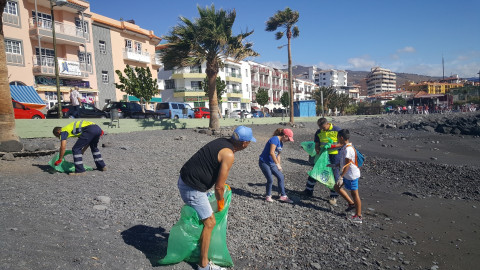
443	68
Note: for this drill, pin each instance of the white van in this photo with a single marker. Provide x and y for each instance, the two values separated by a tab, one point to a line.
174	110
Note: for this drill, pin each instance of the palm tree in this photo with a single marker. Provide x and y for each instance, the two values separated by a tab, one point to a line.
207	39
9	141
287	19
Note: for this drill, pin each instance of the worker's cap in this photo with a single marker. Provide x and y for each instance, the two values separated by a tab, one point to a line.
289	133
243	134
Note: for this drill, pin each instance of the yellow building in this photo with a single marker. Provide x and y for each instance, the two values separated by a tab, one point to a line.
431	87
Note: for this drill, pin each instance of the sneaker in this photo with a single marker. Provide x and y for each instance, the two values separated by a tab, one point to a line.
350	207
269	199
355	219
211	266
333	201
307	193
285	199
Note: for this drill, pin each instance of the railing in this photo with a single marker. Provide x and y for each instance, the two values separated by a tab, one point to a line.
156	60
10	19
235	91
276	73
60	28
192	89
255	83
233	74
263	70
135	55
195	70
277	87
14	58
264	84
254	68
46	65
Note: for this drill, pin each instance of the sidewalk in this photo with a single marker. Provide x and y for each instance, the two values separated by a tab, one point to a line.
29	128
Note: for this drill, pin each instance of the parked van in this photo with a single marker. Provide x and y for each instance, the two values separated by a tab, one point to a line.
174	110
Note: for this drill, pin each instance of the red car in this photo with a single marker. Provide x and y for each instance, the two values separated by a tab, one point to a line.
201	112
22	111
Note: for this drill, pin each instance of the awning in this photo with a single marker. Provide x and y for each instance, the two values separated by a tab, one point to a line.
26	94
255	108
153	99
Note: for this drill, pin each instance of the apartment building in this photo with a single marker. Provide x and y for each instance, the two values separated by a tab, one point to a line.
431	87
29	49
327	78
185	85
118	44
380	80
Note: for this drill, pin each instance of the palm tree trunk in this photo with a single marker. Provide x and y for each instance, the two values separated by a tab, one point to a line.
290	79
212	72
9	142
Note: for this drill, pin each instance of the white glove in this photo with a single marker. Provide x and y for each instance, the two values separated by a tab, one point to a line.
279	167
340	181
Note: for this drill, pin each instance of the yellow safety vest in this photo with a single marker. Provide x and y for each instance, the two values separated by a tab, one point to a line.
74	129
332	134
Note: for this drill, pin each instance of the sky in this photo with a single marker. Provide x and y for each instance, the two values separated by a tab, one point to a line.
409	36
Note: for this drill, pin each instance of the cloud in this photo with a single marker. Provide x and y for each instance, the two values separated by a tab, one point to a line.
361	62
407	49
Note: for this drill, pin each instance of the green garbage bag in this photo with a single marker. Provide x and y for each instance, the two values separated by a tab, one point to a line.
321	172
65	166
309	147
183	242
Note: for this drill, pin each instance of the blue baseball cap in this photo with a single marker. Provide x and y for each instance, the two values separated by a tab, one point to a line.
243	134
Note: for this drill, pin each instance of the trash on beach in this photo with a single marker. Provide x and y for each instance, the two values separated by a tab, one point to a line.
184	239
321	172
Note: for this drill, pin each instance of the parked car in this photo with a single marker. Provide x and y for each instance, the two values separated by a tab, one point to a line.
201	112
260	114
237	114
174	110
86	110
279	113
127	110
22	111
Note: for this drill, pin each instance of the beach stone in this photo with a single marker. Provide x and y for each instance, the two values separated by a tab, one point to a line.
11	146
8	157
316	265
429	129
103	199
100	207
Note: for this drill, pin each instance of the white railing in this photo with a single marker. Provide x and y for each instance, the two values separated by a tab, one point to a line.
156	60
60	28
46	64
134	55
11	19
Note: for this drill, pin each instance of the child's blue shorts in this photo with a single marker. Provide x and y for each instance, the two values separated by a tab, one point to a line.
350	184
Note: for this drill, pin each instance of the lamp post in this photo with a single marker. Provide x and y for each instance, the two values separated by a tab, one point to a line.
59	99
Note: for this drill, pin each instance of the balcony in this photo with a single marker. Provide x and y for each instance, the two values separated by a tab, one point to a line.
136	56
64	33
238	93
233	77
66	68
11	19
263	70
276	73
255	83
156	60
254	69
192	73
188	92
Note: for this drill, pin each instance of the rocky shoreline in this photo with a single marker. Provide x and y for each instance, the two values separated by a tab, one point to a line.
419	212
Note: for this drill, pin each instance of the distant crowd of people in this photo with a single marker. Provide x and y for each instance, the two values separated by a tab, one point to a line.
426	109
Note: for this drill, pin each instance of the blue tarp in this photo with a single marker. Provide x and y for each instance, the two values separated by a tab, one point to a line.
25	94
304	108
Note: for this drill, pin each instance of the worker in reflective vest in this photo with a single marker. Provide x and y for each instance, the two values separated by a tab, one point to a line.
88	134
325	133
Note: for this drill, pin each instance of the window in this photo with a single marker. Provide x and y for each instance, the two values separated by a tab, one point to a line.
13	50
138	47
128	44
48	56
102	47
169	84
44	20
104	76
196	85
81	57
78	23
11	7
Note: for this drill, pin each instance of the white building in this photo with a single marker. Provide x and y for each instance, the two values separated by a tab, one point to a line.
380	80
327	78
185	85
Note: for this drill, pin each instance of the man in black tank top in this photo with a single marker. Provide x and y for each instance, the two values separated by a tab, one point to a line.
209	167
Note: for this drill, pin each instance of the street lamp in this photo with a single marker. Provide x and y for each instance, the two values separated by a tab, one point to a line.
58	3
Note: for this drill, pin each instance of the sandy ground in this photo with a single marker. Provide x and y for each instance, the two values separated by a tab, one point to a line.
421	211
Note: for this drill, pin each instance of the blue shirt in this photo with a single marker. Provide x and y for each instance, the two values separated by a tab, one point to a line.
265	156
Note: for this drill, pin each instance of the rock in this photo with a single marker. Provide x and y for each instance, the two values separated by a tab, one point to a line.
435	267
100	207
433	158
103	199
31	147
8	157
11	146
456	131
429	129
50	146
180	138
316	265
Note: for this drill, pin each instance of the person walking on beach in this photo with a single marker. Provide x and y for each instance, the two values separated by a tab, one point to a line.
350	173
88	134
210	167
270	162
325	132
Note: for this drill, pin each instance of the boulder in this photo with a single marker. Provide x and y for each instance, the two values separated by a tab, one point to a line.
11	146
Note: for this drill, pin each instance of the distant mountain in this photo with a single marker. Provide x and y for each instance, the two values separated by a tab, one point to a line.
356	77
